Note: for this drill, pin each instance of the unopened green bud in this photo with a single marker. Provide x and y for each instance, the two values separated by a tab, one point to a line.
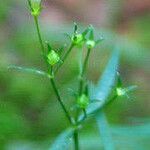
77	39
120	91
83	101
90	44
53	58
124	91
36	7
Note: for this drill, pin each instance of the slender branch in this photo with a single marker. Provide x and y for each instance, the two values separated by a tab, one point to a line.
64	57
86	61
84	117
60	100
39	34
112	99
85	114
41	42
76	140
81	80
51	73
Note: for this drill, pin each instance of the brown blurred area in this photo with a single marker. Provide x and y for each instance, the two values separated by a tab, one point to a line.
97	12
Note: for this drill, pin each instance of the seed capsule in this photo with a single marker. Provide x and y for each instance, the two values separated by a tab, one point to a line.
120	91
83	101
53	58
90	44
77	39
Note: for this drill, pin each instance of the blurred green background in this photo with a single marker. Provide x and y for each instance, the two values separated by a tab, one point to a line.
30	116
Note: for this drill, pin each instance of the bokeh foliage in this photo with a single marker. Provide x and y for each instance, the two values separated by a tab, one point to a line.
31	118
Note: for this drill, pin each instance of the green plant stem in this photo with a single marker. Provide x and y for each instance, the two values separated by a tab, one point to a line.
85	115
64	57
81	80
51	73
60	100
39	35
112	99
76	140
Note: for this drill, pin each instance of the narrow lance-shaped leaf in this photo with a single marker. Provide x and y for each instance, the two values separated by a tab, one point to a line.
28	70
100	93
105	84
135	131
103	90
63	141
105	131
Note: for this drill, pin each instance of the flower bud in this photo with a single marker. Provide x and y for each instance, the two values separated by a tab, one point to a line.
36	7
83	101
77	39
53	58
124	91
120	91
90	44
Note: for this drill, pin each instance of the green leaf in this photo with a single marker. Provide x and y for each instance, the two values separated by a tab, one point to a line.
135	131
105	131
102	90
100	93
28	70
63	141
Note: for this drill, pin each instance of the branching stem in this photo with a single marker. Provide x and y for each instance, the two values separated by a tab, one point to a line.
76	140
60	100
81	82
64	58
81	77
51	73
39	34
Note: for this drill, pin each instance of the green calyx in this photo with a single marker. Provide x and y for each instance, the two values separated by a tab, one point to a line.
35	7
120	91
53	58
90	44
124	91
77	39
83	101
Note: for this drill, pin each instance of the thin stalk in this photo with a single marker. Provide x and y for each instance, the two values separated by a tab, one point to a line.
81	80
51	73
112	99
84	117
41	41
85	114
60	100
64	57
76	140
39	34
